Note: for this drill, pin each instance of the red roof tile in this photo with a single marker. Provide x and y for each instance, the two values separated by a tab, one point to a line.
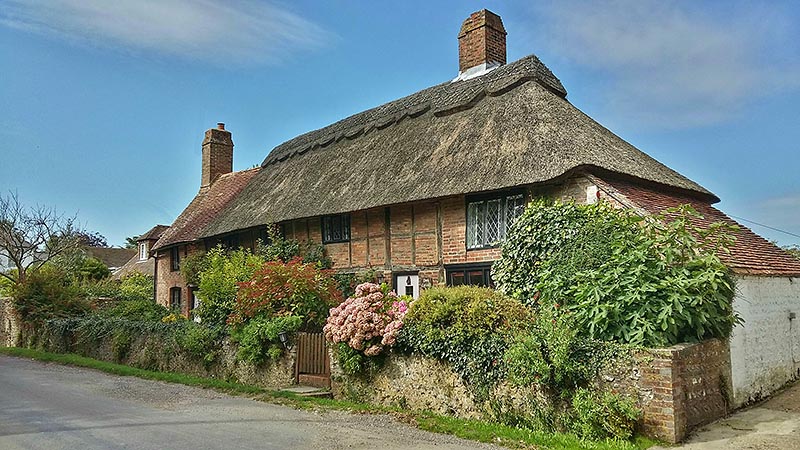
205	206
750	254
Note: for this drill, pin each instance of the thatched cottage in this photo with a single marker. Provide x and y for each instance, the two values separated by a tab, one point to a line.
423	188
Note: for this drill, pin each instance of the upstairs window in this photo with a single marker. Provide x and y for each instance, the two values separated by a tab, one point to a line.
143	251
174	259
489	218
336	228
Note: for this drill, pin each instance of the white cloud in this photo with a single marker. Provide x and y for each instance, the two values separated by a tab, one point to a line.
674	64
234	31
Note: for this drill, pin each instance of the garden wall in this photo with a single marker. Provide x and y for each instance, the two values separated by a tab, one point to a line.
150	352
9	324
677	388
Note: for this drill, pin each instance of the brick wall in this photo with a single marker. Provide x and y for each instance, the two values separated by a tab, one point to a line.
418	237
681	387
166	278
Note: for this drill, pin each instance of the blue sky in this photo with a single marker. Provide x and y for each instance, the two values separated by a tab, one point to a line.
103	105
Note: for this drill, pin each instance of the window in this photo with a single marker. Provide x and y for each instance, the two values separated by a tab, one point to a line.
336	228
143	251
489	218
175	299
174	259
472	275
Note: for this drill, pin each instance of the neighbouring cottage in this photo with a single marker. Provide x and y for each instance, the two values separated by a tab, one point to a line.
141	262
423	189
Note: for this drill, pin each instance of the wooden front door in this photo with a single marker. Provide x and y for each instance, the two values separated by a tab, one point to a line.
312	366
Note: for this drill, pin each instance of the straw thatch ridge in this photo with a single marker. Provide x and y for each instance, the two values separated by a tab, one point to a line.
497	132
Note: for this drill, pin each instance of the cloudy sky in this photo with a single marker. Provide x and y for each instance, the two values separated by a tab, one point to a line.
103	104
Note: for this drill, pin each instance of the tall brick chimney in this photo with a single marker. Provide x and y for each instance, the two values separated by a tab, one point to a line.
217	154
481	44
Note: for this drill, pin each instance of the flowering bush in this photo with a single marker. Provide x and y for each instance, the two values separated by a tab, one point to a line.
368	321
280	289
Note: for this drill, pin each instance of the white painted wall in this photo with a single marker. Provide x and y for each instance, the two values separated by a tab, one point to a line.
765	350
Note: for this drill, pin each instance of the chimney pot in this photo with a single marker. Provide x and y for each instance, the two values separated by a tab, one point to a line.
481	42
220	126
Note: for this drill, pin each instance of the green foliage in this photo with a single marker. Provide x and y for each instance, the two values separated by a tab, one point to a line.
554	356
192	266
136	286
596	416
652	282
469	327
144	310
285	250
347	281
199	341
45	294
219	282
793	250
258	338
93	269
121	344
355	362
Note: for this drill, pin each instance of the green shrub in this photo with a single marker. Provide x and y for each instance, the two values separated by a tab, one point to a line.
354	362
199	341
469	327
644	281
46	294
121	344
145	310
136	286
284	250
597	416
219	282
258	338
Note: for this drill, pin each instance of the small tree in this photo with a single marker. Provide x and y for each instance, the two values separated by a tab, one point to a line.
31	236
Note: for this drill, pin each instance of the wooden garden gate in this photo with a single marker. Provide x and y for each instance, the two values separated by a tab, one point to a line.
313	366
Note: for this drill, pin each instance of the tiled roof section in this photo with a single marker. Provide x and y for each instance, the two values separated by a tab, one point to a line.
135	265
153	234
111	256
205	206
750	254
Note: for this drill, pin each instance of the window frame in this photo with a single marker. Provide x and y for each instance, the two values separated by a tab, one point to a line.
485	268
344	223
172	298
143	251
175	259
485	199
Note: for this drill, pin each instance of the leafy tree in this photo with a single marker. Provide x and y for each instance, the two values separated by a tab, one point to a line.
793	250
32	236
131	242
89	239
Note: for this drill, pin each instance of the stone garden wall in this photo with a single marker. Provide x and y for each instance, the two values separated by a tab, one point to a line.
150	352
9	324
677	388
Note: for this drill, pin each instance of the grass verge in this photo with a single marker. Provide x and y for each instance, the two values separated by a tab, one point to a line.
475	430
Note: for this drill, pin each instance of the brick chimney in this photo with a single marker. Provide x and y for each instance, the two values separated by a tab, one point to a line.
217	154
481	43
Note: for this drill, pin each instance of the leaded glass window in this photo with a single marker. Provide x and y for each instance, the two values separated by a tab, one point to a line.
489	219
336	228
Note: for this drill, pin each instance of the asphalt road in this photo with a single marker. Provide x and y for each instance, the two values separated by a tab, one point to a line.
49	406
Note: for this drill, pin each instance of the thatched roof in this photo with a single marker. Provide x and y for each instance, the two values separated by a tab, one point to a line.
507	128
112	257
